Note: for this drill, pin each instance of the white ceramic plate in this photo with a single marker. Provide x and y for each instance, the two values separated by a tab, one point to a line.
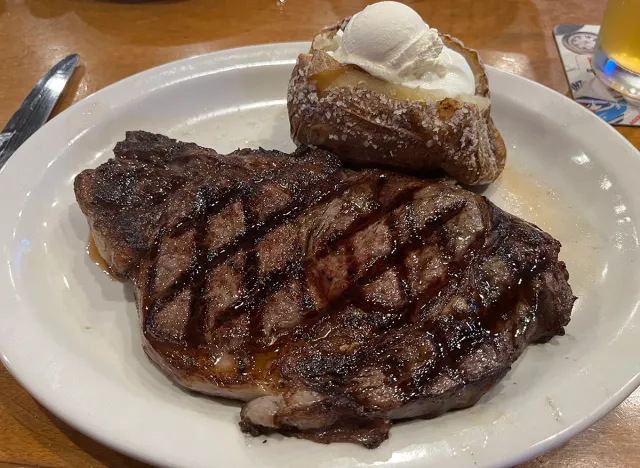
70	334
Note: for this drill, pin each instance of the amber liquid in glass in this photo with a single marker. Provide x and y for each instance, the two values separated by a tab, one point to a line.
620	33
616	59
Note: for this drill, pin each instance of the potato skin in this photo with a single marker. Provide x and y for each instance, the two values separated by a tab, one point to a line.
364	127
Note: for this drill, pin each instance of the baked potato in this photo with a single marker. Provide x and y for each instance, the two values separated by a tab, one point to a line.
367	121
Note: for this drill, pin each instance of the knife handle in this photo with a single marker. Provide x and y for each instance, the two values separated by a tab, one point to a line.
5	150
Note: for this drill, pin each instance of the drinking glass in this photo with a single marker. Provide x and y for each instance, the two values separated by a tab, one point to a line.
616	58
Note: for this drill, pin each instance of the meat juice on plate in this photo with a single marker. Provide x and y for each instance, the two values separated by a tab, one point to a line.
523	192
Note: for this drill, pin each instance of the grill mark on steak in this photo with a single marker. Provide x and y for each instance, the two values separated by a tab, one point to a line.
256	297
204	261
195	275
352	295
332	300
450	350
366	221
256	232
198	308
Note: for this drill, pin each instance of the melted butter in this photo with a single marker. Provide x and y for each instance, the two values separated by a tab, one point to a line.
94	255
354	78
350	77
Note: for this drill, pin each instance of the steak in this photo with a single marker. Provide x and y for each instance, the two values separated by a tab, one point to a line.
331	301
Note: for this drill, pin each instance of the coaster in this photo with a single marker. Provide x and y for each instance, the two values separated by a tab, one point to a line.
576	43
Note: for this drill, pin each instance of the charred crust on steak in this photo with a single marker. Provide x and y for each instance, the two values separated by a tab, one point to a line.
332	301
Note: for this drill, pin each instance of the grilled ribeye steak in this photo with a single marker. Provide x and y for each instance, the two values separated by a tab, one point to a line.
332	301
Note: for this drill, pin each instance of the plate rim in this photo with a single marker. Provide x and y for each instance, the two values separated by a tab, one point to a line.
235	54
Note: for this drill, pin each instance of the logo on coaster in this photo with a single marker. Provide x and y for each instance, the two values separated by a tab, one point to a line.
580	42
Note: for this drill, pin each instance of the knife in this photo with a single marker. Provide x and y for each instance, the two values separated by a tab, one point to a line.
36	108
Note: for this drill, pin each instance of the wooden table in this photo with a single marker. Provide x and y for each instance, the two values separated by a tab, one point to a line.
116	39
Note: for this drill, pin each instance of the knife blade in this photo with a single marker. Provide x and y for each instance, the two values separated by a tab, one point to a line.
37	107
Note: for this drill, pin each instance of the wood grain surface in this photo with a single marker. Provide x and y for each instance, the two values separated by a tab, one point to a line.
116	39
